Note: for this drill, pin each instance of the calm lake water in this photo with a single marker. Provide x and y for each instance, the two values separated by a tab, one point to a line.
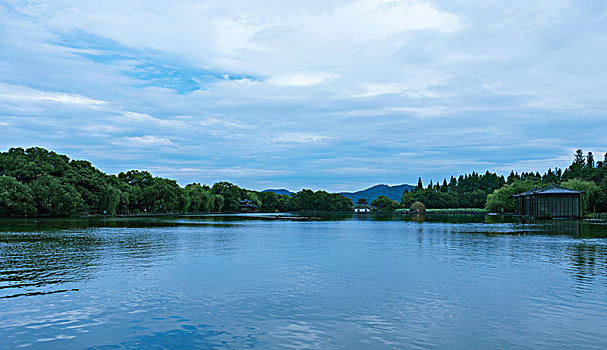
470	282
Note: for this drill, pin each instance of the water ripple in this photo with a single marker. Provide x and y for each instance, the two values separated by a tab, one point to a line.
212	282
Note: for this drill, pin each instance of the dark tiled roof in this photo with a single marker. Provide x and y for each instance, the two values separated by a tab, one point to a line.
550	189
245	203
528	192
556	189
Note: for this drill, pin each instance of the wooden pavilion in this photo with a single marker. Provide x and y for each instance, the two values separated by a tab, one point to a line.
362	206
247	206
552	201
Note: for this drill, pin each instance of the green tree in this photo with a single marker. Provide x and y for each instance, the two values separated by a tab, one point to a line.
30	164
110	201
219	200
199	198
576	168
55	198
590	161
384	204
163	196
16	199
550	177
420	184
253	197
231	194
270	201
318	201
502	200
91	183
590	197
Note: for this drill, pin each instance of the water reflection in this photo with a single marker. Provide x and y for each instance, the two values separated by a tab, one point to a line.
37	225
189	337
47	256
587	261
32	264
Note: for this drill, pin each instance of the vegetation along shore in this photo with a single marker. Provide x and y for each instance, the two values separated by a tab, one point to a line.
39	182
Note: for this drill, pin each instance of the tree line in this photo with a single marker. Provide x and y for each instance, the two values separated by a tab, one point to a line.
465	191
584	174
494	192
39	182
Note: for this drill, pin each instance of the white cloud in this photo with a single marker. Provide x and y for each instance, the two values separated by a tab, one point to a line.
380	89
297	137
301	79
375	19
535	164
145	141
24	95
146	120
101	129
228	172
219	122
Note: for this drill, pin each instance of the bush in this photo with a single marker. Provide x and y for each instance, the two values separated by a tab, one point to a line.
418	206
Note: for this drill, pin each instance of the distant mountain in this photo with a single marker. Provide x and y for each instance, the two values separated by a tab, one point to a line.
393	192
280	191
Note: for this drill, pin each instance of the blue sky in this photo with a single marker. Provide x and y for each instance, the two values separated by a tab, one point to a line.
334	95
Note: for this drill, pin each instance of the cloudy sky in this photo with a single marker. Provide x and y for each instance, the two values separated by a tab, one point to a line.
335	95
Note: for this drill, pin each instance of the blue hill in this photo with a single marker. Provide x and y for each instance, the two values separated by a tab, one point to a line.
392	192
279	191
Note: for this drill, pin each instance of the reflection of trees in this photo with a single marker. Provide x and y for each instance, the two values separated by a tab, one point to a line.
40	256
583	259
446	218
29	262
587	262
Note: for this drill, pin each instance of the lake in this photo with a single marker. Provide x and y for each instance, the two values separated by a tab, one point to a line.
414	282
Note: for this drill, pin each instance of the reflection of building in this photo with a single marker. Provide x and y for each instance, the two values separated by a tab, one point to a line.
362	209
247	206
553	227
552	201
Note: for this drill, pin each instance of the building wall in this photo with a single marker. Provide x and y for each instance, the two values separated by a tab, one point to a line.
528	205
549	206
519	205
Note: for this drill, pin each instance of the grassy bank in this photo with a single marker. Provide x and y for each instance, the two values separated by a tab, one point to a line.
451	210
598	216
457	210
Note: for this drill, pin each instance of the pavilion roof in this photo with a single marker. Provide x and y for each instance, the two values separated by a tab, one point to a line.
550	189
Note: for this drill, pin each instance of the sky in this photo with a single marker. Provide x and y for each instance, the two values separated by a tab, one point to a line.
333	95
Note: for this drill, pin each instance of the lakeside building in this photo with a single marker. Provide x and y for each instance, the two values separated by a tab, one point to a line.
362	206
552	201
247	206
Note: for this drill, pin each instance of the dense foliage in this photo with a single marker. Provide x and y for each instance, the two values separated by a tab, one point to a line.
38	182
385	204
502	201
467	191
494	193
